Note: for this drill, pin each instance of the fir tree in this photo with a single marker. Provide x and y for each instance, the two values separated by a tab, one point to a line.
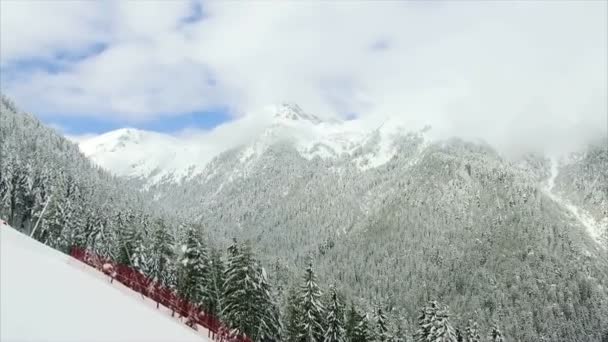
400	334
496	334
214	304
129	238
242	293
269	326
434	325
459	336
161	267
292	316
192	267
335	331
381	334
357	327
472	332
310	327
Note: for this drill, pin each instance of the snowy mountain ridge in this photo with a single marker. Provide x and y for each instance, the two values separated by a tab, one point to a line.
158	157
341	147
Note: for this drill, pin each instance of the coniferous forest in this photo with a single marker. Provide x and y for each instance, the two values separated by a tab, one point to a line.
521	279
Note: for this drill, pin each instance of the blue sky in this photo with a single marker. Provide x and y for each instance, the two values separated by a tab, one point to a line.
62	59
79	125
87	124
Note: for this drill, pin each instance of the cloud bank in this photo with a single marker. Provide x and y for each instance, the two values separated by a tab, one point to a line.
520	75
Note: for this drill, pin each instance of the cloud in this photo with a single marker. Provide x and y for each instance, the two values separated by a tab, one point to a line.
521	75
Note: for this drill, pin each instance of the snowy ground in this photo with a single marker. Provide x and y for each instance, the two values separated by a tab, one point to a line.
48	296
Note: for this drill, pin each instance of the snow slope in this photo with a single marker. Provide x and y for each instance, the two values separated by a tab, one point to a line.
47	296
592	227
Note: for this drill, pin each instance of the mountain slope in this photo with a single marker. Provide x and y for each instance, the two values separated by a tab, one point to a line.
399	218
72	305
134	153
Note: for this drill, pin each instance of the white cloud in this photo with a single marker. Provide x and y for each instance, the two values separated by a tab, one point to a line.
518	74
43	28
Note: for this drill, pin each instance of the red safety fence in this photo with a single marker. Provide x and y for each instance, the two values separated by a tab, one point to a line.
138	282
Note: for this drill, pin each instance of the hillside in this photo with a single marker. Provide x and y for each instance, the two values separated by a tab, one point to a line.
393	217
75	304
398	218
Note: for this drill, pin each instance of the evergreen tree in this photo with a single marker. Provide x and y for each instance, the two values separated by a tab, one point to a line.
312	312
269	326
472	332
434	325
459	336
335	331
496	334
400	334
292	316
129	238
242	294
161	266
214	304
381	334
357	328
192	267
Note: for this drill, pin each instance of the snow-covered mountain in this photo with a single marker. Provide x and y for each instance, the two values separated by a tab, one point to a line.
295	142
387	213
134	153
157	157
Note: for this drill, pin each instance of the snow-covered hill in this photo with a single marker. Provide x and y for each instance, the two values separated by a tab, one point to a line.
136	153
158	157
48	296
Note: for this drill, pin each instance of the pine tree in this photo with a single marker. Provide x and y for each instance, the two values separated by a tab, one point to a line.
471	332
214	304
312	312
459	336
357	328
269	326
292	316
496	335
239	309
434	325
161	266
400	334
129	238
381	334
335	331
192	267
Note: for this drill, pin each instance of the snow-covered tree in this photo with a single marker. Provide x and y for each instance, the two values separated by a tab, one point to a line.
216	287
247	304
357	326
471	332
310	325
161	267
381	333
496	334
292	316
434	325
269	324
193	267
335	331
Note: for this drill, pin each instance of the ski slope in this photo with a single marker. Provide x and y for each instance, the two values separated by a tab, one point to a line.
48	296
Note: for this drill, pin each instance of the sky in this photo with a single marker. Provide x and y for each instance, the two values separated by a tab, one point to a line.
518	74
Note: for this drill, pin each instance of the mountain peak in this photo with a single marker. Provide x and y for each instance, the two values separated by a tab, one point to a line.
293	112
